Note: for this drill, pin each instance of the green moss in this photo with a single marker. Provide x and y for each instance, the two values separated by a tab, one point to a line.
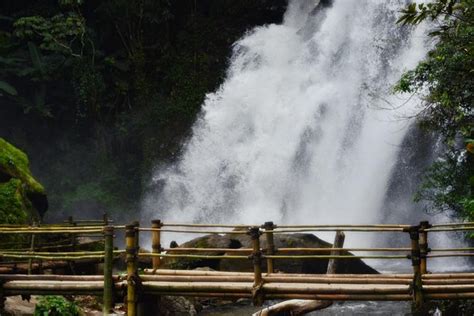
21	197
13	207
14	162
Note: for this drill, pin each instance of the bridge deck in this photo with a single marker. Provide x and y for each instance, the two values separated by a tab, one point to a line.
344	287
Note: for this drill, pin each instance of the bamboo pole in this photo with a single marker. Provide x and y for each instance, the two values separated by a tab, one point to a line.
350	229
269	226
449	229
105	219
344	226
108	295
290	250
450	296
275	278
67	253
448	275
423	246
156	243
39	257
454	254
275	288
364	276
338	243
257	294
331	297
344	297
206	225
52	277
44	231
32	248
165	255
417	306
337	257
132	265
185	231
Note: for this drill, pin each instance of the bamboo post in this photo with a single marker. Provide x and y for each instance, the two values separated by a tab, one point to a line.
424	246
156	242
73	242
108	265
105	219
338	243
132	268
417	306
32	248
269	226
254	233
137	236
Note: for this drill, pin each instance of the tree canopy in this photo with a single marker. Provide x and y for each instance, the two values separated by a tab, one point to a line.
445	81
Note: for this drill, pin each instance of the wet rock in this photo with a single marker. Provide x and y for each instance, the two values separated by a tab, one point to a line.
17	306
178	305
283	265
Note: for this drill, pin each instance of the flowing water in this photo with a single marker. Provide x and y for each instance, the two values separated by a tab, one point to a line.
305	128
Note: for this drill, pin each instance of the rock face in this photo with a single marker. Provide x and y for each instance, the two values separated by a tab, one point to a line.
235	241
21	196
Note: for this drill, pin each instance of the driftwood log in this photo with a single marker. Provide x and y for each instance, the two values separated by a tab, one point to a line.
301	307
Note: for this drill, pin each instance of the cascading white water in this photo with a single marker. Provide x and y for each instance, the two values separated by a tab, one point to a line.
300	132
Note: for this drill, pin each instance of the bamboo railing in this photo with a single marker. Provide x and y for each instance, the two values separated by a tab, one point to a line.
260	285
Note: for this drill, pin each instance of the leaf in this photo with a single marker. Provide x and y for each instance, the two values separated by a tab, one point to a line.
36	57
8	88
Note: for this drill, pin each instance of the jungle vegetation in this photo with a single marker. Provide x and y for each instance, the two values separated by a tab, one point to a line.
99	92
445	82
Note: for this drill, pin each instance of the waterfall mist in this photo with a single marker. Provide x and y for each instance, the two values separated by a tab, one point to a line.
305	128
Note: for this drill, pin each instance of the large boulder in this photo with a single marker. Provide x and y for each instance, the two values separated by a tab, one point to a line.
22	198
235	241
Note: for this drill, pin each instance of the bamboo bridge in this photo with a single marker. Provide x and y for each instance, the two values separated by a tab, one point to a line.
143	287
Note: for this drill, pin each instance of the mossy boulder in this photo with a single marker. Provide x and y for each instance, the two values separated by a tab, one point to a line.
21	196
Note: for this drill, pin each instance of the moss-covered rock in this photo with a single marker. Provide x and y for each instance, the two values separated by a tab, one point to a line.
13	205
21	196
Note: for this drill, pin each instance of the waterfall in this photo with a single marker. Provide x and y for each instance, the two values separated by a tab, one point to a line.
305	128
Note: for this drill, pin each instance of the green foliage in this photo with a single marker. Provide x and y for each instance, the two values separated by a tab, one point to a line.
14	206
445	81
55	306
415	13
448	185
60	33
101	90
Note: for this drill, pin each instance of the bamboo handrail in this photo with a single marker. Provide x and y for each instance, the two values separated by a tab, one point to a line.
51	257
276	231
248	250
347	226
336	257
69	228
447	229
451	249
445	255
236	232
206	225
147	254
43	231
453	224
79	253
348	229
